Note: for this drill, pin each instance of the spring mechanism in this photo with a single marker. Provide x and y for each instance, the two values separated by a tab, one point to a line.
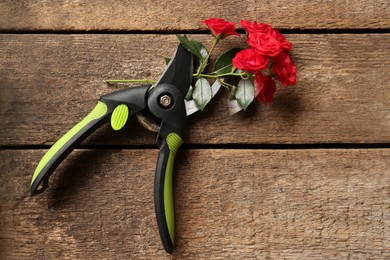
147	123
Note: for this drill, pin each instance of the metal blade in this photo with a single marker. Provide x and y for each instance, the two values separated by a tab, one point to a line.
233	107
179	70
191	106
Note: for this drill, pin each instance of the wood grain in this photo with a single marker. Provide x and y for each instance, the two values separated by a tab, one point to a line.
268	204
230	203
182	15
50	82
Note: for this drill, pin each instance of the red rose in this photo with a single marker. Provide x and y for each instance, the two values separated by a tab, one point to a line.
284	69
255	27
286	45
265	39
265	43
250	61
266	88
220	27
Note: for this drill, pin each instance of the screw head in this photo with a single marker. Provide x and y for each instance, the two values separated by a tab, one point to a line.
165	100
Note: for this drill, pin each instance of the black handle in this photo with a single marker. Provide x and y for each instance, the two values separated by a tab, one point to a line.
57	153
117	106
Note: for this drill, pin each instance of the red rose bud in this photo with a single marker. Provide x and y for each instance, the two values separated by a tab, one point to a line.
220	27
284	69
266	88
250	61
268	41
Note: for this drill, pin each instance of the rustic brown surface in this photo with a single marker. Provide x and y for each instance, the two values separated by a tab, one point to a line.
50	82
184	15
279	204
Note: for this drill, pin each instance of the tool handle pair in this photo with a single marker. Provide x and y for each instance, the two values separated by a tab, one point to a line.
118	113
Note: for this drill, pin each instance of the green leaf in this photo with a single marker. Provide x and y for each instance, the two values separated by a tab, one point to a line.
202	93
196	48
167	60
196	45
224	62
245	93
189	93
191	45
202	50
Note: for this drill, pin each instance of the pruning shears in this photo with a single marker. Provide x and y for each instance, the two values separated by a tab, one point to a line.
165	102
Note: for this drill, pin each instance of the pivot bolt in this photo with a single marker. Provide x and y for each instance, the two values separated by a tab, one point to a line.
165	100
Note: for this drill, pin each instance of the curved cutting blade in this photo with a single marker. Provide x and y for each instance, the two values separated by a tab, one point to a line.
179	70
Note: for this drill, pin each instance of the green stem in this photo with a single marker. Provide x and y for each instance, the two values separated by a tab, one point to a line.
205	61
228	85
222	83
221	75
113	81
216	40
197	75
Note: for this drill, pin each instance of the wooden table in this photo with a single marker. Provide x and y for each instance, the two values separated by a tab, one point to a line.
307	177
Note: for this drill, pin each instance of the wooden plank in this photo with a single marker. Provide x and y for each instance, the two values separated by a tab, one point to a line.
270	204
50	82
179	15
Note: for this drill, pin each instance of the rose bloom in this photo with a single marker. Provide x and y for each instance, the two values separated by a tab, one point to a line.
220	27
269	43
250	61
265	39
255	27
266	87
284	69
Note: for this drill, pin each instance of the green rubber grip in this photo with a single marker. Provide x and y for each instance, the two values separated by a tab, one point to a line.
117	106
164	190
174	142
64	145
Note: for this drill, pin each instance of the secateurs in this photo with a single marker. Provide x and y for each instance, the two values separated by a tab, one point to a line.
165	102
